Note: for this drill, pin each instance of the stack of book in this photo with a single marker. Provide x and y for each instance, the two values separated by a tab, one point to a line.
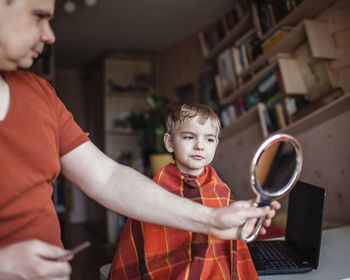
280	106
246	50
267	13
215	33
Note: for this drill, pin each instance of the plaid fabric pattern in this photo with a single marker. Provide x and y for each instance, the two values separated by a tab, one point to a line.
148	251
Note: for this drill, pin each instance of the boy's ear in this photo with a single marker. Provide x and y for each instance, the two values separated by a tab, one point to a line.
167	142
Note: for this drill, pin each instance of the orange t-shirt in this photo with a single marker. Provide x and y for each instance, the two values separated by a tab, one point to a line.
35	133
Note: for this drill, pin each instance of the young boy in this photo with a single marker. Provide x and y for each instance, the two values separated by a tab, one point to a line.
148	251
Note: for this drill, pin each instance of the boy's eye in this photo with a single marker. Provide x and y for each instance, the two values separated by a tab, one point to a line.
188	137
211	140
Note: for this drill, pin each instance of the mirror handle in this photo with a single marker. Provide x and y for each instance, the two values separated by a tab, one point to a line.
254	234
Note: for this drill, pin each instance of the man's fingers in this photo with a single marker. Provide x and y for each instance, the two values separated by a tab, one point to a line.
55	269
48	251
254	212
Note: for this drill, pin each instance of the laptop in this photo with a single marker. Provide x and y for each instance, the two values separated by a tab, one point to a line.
300	250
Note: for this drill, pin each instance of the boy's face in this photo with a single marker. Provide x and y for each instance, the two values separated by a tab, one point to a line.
24	30
193	145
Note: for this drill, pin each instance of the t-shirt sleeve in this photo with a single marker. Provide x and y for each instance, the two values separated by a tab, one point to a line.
70	134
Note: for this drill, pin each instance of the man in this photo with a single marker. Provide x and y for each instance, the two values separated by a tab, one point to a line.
38	138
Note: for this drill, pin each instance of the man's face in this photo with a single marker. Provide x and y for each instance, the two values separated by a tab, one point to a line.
24	30
193	144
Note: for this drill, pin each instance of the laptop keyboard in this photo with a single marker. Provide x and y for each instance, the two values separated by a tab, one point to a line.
270	256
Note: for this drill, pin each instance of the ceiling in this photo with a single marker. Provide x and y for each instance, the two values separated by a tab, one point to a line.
127	25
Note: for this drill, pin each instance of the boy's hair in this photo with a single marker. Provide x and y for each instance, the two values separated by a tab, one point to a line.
188	111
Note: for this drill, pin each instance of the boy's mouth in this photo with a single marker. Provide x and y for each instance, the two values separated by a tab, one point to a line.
197	157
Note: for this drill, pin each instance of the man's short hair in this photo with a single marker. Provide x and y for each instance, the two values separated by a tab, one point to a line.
188	111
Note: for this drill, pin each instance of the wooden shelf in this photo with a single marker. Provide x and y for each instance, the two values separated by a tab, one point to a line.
255	114
308	9
250	85
242	26
324	113
287	44
252	116
308	30
312	31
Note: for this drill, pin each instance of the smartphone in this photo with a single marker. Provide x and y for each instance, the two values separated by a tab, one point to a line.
74	251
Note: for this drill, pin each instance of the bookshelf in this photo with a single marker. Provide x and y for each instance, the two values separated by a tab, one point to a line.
250	85
252	116
322	132
307	9
218	35
282	57
328	111
241	26
309	30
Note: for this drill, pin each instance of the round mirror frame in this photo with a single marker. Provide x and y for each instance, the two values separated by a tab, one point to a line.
264	195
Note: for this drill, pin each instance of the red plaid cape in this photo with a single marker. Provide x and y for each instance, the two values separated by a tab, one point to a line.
148	251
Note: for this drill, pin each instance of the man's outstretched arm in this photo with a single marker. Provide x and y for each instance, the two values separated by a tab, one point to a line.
126	191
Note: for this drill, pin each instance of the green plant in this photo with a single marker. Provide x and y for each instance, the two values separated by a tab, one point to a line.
151	123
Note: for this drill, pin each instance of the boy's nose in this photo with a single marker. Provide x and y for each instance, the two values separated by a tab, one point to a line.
199	145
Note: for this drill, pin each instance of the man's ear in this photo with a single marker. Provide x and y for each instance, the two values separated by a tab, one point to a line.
167	142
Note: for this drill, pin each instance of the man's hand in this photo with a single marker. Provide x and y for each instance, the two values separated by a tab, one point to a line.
228	221
33	259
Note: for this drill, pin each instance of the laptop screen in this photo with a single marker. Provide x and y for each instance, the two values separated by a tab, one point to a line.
305	219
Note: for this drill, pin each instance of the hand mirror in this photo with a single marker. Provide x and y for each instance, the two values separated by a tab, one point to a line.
274	171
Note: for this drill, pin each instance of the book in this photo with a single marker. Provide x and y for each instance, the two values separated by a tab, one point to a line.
225	118
267	82
220	30
256	19
274	98
207	90
251	99
245	37
226	72
240	105
267	13
282	122
218	87
244	57
291	106
229	20
237	60
266	95
204	44
274	38
228	115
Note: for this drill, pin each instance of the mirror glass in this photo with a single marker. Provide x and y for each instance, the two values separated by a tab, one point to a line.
276	166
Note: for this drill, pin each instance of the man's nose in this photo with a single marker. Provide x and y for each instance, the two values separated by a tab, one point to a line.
48	36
